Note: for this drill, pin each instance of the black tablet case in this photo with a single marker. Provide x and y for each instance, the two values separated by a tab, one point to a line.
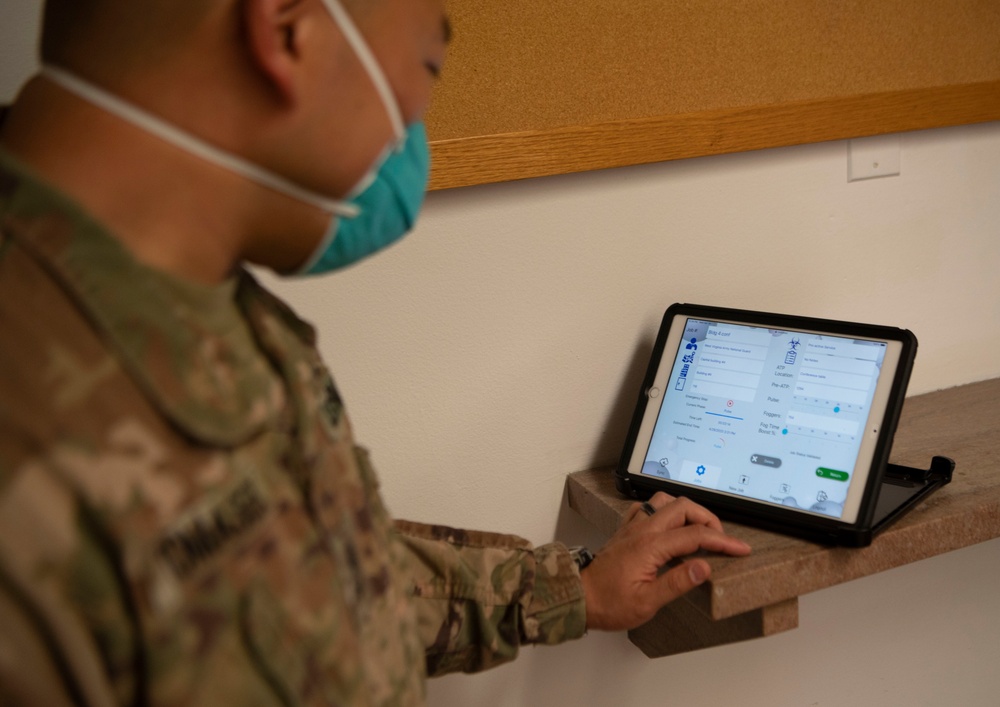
891	489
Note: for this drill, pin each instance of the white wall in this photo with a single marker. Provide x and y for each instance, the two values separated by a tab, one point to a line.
500	347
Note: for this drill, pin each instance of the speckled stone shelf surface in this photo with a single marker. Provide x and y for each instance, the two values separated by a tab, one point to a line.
757	595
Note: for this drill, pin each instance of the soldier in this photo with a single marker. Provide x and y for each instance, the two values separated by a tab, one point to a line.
185	518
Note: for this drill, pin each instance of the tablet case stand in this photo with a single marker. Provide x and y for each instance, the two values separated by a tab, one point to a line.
902	487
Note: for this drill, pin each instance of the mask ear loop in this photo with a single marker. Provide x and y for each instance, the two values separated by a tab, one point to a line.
364	53
196	146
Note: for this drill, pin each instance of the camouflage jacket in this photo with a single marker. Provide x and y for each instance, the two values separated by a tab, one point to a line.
184	517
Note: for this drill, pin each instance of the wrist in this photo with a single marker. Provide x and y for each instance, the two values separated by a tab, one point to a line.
581	556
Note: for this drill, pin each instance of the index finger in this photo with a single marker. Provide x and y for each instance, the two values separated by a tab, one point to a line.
684	541
683	511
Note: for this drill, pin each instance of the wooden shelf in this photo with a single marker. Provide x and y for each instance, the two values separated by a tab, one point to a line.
758	595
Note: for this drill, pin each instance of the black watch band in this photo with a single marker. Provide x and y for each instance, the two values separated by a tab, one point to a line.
581	556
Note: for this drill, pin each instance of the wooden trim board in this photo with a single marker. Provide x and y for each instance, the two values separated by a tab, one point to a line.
485	159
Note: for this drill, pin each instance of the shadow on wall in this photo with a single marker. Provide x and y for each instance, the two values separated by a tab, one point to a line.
571	528
609	445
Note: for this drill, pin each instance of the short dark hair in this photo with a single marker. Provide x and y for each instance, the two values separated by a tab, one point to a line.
61	19
104	34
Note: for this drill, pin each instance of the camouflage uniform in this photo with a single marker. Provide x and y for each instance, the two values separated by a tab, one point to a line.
184	517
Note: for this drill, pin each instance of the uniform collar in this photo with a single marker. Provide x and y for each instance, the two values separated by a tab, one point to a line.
189	347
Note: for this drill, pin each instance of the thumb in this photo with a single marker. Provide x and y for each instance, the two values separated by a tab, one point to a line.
681	579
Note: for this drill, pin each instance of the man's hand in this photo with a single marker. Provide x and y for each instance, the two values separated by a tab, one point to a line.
624	586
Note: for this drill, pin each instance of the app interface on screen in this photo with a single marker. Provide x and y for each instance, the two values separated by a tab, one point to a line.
772	415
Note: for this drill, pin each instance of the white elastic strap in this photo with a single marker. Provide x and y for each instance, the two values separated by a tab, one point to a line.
196	146
374	69
320	250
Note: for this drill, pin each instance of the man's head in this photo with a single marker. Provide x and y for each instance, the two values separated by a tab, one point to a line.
103	38
274	81
106	38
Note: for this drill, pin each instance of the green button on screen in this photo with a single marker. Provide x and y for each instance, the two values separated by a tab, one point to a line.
834	474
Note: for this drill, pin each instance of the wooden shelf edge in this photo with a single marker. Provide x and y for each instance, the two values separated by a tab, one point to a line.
680	627
489	159
827	567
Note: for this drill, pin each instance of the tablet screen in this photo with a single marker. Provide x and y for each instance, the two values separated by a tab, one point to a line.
778	416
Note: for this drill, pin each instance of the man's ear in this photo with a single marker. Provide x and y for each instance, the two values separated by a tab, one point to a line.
273	38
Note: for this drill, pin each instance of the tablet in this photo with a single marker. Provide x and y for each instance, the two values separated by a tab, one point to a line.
772	419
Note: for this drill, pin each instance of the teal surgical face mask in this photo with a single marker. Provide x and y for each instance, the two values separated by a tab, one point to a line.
379	210
387	208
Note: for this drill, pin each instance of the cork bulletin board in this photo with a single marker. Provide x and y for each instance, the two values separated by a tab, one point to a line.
541	87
